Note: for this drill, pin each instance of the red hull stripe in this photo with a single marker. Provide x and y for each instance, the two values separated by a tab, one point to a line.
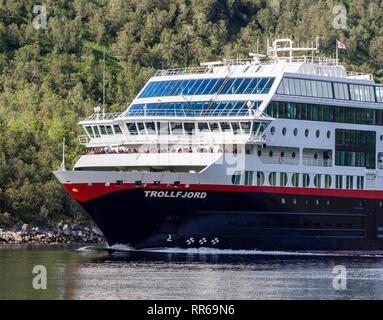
84	192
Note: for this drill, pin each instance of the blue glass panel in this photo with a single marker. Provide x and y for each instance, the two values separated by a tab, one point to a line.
166	88
195	87
202	86
188	87
155	92
235	86
251	86
209	86
152	87
243	85
215	87
175	88
268	85
227	86
261	84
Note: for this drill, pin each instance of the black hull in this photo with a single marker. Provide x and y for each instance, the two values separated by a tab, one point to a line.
238	220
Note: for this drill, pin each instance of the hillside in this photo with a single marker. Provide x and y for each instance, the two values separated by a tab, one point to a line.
51	78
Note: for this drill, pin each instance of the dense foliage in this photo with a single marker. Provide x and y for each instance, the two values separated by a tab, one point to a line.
51	78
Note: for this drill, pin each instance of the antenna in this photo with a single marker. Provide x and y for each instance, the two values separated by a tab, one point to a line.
62	166
103	88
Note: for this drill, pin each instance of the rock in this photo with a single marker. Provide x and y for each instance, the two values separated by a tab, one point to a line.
97	231
17	238
24	227
66	230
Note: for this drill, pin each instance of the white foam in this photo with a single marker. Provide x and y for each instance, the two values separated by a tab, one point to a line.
214	251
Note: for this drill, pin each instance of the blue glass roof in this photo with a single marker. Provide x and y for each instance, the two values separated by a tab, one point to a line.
192	109
207	86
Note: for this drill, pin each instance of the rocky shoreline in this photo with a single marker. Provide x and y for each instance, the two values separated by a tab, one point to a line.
61	233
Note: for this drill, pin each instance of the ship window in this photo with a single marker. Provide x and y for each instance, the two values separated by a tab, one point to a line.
306	180
293	155
283	179
102	130
131	128
349	182
328	134
89	130
225	126
109	130
317	133
214	127
245	126
249	176
317	181
176	127
235	126
203	127
272	130
360	182
117	129
283	200
141	128
306	132
284	131
203	86
260	178
295	179
150	128
96	132
295	132
338	182
327	181
271	153
236	178
189	128
273	179
163	128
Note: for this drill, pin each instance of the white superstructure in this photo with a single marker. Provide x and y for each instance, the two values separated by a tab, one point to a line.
281	120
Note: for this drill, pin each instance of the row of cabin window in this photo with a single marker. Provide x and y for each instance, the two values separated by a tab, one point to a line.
326	89
207	86
320	180
95	131
319	112
166	128
193	109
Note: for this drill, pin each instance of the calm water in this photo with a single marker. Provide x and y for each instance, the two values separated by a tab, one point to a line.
75	272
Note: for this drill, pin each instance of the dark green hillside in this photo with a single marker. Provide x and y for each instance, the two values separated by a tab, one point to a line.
52	78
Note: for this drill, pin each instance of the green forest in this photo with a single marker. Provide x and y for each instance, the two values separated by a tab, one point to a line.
52	77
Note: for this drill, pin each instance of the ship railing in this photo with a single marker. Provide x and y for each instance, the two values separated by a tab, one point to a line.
317	162
83	139
102	116
181	71
359	75
279	160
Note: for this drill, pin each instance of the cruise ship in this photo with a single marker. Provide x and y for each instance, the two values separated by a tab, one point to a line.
282	151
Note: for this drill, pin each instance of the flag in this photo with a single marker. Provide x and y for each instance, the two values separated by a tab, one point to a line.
340	45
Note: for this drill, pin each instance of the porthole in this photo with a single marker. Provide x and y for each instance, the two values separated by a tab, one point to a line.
294	201
329	134
381	137
293	155
306	132
295	132
317	202
282	154
315	156
259	153
272	130
283	201
317	133
271	153
284	130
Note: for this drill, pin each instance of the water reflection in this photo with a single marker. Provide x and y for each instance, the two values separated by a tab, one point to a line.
91	273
